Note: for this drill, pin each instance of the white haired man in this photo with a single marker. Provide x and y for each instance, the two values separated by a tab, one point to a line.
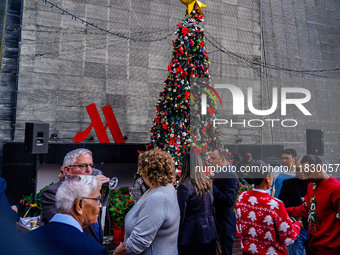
78	201
76	162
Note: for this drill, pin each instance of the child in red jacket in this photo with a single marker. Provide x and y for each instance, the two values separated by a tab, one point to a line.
262	220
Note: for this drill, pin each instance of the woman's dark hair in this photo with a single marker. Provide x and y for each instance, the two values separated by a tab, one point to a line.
192	168
258	171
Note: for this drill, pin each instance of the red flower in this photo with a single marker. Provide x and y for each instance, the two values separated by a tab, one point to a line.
240	192
118	211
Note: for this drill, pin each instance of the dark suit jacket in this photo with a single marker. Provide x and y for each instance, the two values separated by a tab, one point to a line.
49	210
225	191
61	239
6	213
291	193
9	238
197	224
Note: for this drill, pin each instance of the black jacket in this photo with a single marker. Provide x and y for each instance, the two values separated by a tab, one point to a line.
197	224
291	193
226	186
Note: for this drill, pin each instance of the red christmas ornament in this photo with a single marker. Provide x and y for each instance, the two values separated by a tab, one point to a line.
185	31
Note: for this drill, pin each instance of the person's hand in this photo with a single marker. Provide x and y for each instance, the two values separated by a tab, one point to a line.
120	250
14	208
102	179
301	223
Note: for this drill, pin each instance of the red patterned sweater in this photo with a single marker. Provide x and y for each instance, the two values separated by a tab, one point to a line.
322	207
264	224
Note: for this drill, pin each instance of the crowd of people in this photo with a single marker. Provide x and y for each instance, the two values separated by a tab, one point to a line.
289	210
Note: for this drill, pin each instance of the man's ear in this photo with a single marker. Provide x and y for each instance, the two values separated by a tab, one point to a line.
67	171
78	206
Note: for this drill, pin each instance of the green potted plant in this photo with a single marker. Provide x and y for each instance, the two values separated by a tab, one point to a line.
119	203
33	201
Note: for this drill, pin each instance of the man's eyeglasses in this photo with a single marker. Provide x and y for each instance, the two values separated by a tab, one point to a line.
286	158
99	199
213	158
83	166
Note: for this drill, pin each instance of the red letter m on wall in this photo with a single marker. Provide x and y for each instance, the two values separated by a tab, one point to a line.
98	126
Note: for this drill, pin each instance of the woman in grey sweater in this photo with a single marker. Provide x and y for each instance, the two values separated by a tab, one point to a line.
151	226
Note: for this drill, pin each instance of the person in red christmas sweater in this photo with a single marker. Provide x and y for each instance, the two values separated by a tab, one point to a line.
262	220
321	206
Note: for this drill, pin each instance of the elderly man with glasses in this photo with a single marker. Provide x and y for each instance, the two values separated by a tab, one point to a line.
78	201
76	162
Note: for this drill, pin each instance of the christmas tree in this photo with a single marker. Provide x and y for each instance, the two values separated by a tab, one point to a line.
180	124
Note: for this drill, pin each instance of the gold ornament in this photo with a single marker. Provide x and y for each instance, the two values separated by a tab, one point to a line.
194	4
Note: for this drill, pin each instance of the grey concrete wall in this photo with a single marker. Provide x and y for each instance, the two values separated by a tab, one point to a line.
66	65
9	38
305	35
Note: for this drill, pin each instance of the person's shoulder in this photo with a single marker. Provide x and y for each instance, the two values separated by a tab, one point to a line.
2	185
65	237
162	191
139	181
185	183
54	186
275	203
335	184
335	181
290	181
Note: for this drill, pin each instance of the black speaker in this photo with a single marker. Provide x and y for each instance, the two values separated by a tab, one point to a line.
315	143
36	138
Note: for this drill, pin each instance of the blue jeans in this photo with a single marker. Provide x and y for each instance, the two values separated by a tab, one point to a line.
300	244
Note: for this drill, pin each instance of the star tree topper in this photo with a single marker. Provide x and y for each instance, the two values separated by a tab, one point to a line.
194	4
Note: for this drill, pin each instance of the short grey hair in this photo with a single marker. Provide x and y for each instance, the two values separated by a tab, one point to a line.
73	188
72	156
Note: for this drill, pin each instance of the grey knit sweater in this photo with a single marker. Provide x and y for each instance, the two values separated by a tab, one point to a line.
151	226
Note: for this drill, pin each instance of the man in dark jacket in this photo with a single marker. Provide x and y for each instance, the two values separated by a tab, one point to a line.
76	162
225	187
292	193
78	201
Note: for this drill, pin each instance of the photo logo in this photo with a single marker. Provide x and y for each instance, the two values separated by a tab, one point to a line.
238	99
